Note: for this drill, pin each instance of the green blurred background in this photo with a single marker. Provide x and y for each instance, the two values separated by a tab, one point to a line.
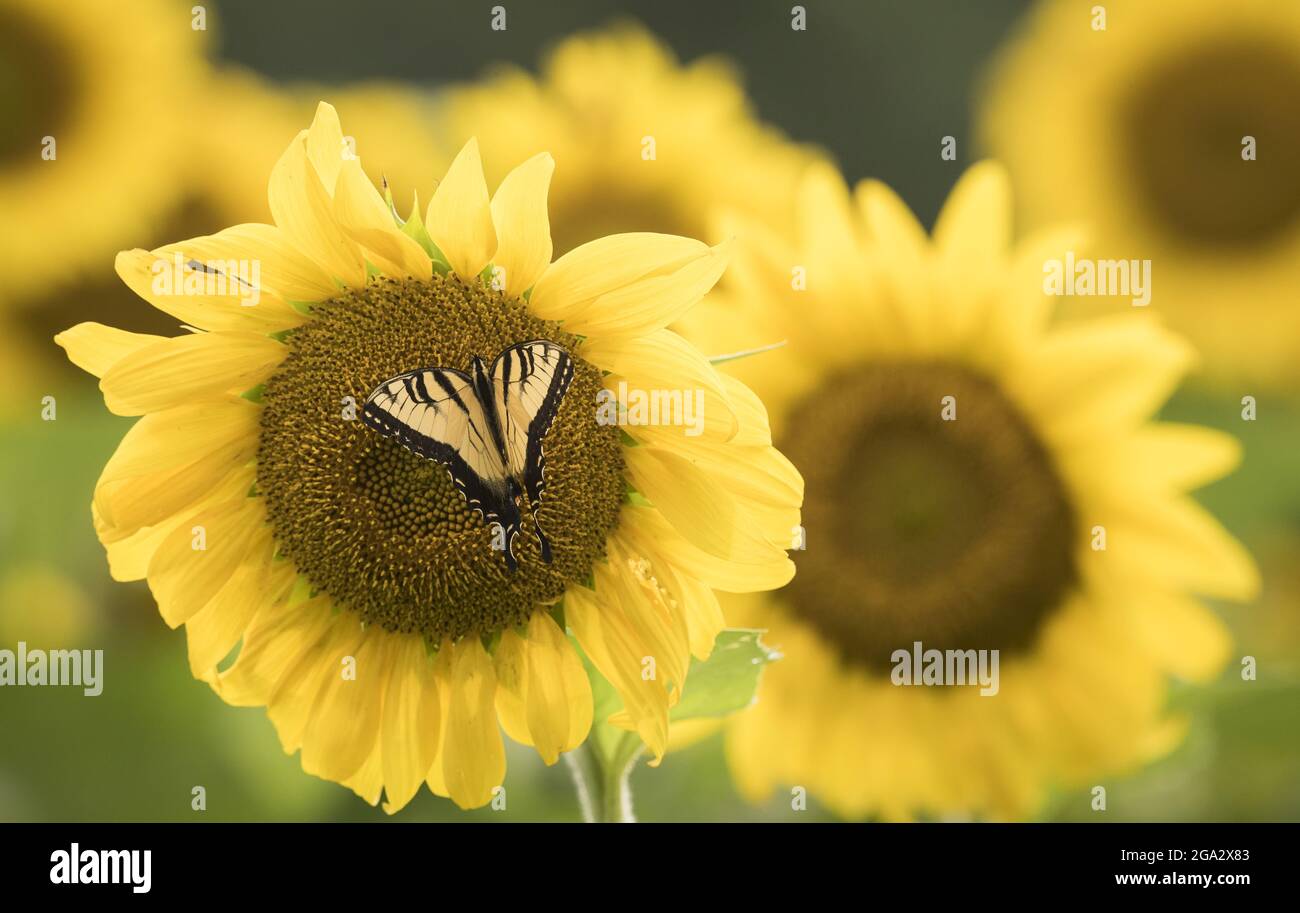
877	86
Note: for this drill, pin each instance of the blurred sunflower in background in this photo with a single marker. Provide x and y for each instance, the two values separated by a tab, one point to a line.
647	144
976	480
77	79
1175	132
324	543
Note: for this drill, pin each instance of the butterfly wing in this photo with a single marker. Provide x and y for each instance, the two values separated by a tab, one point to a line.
435	413
529	380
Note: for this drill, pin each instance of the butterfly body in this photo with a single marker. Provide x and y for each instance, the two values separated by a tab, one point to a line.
485	426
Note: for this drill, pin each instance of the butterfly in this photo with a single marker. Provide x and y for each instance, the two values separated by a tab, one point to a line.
486	427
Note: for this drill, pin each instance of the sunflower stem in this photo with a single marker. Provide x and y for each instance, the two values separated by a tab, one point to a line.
604	793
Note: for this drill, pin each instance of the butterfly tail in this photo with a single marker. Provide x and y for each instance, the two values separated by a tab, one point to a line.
512	564
542	540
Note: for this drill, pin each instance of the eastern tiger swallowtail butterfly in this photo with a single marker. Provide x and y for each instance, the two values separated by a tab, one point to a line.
485	427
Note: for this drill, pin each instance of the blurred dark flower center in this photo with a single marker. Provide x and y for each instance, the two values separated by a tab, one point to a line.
610	207
1186	121
37	88
957	533
384	531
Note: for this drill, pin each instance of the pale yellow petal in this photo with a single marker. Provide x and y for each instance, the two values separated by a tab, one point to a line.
649	532
213	631
173	372
568	290
690	499
94	347
411	724
680	392
325	145
974	227
1178	541
197	560
522	224
172	284
613	646
170	459
645	304
473	755
362	213
304	211
344	725
542	689
280	635
263	256
1099	376
890	224
290	707
459	217
1185	637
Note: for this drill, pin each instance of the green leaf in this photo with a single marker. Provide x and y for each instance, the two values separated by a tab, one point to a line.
728	680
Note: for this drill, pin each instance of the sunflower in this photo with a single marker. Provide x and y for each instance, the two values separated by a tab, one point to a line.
233	129
264	516
647	144
87	89
1175	133
976	481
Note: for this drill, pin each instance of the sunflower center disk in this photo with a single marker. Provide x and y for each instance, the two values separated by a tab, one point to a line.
956	533
1186	124
36	87
384	531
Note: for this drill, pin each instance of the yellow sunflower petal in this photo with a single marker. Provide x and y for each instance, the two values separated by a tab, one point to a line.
411	723
662	364
1176	540
277	639
171	283
543	695
459	217
212	632
128	558
522	226
649	532
325	145
362	213
1185	636
266	258
94	347
170	459
1101	375
693	502
176	371
473	756
291	706
655	277
197	560
615	649
974	227
344	725
890	223
304	211
1184	456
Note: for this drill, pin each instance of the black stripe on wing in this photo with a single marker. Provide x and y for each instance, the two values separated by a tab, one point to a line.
514	368
492	499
